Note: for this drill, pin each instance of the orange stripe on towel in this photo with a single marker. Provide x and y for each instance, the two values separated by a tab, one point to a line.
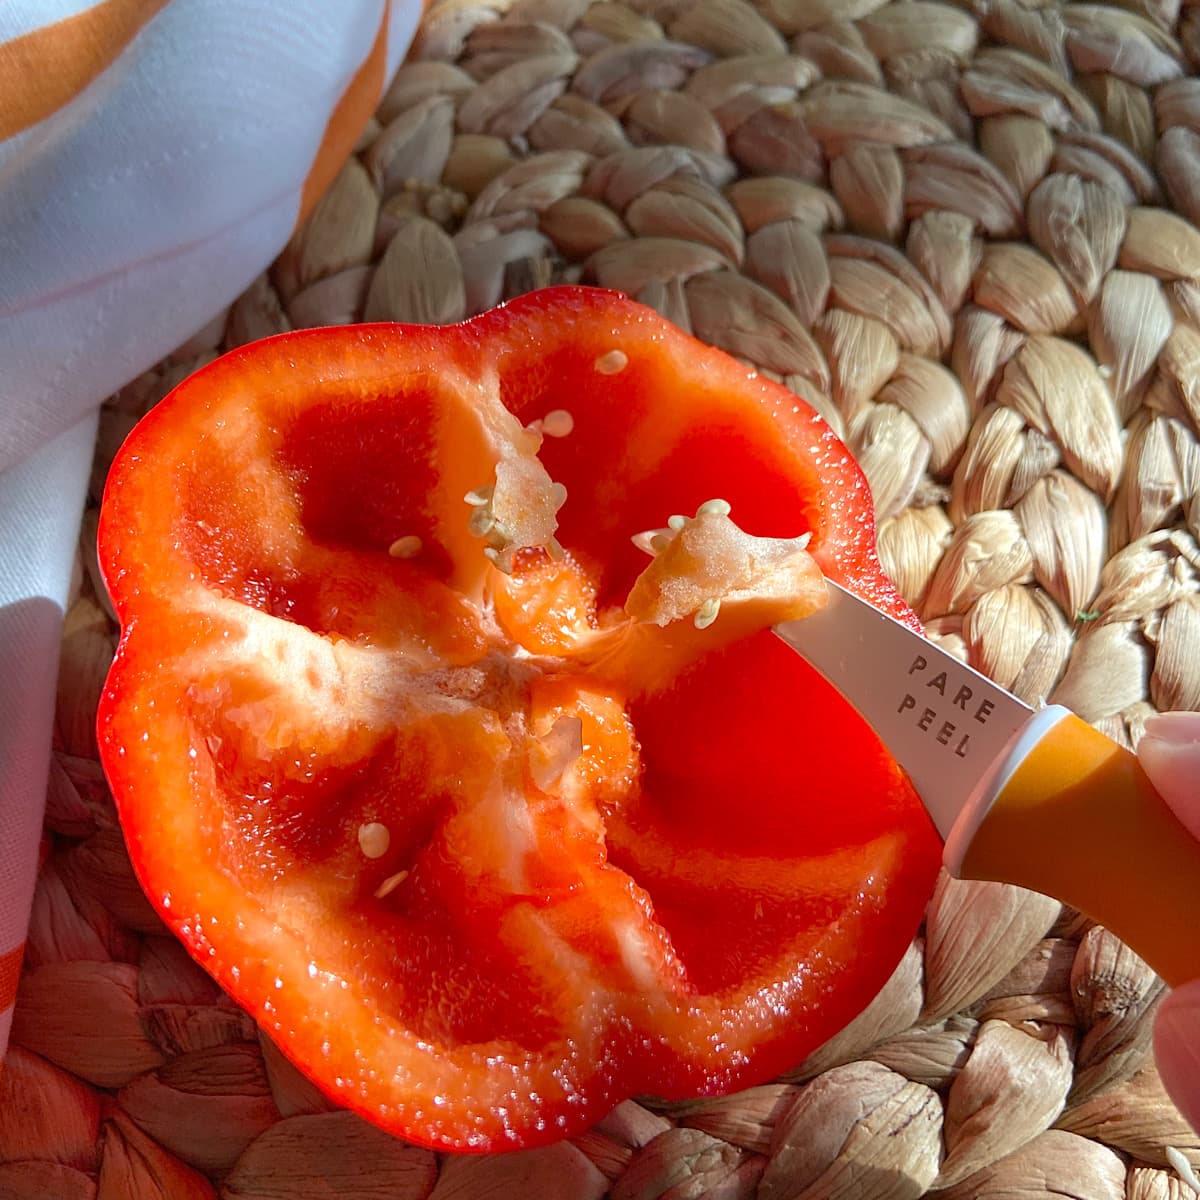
347	120
10	974
46	69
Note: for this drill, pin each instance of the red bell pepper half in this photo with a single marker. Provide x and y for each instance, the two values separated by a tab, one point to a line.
479	853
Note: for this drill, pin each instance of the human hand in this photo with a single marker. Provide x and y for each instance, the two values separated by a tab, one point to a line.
1170	755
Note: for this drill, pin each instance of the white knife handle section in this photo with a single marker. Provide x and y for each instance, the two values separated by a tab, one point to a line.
1074	816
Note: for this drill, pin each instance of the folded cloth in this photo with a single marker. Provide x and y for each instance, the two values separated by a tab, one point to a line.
40	501
155	155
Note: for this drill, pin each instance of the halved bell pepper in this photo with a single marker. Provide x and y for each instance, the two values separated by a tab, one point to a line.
480	851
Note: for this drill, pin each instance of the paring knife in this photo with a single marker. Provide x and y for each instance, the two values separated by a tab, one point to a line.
1033	797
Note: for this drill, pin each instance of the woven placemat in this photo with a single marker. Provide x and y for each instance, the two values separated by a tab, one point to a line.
964	233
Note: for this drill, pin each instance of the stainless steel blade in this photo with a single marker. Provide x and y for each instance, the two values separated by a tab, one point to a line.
946	724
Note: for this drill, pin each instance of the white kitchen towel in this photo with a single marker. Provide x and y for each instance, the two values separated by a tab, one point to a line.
155	155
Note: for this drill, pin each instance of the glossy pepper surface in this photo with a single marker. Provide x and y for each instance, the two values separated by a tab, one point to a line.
481	853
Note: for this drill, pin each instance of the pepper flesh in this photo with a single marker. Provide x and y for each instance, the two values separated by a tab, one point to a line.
596	881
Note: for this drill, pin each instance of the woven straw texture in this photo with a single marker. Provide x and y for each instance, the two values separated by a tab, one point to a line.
963	232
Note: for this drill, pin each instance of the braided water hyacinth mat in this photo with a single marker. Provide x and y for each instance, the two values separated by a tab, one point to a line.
965	233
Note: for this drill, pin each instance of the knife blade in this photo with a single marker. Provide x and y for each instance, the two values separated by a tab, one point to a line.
1034	797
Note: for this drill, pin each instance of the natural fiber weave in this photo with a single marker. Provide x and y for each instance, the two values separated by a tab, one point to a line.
951	229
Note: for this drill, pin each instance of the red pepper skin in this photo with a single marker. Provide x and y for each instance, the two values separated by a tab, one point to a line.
739	865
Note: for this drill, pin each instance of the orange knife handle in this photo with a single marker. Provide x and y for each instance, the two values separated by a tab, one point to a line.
1079	820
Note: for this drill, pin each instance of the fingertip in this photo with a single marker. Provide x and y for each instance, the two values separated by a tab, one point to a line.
1170	755
1174	727
1177	1049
